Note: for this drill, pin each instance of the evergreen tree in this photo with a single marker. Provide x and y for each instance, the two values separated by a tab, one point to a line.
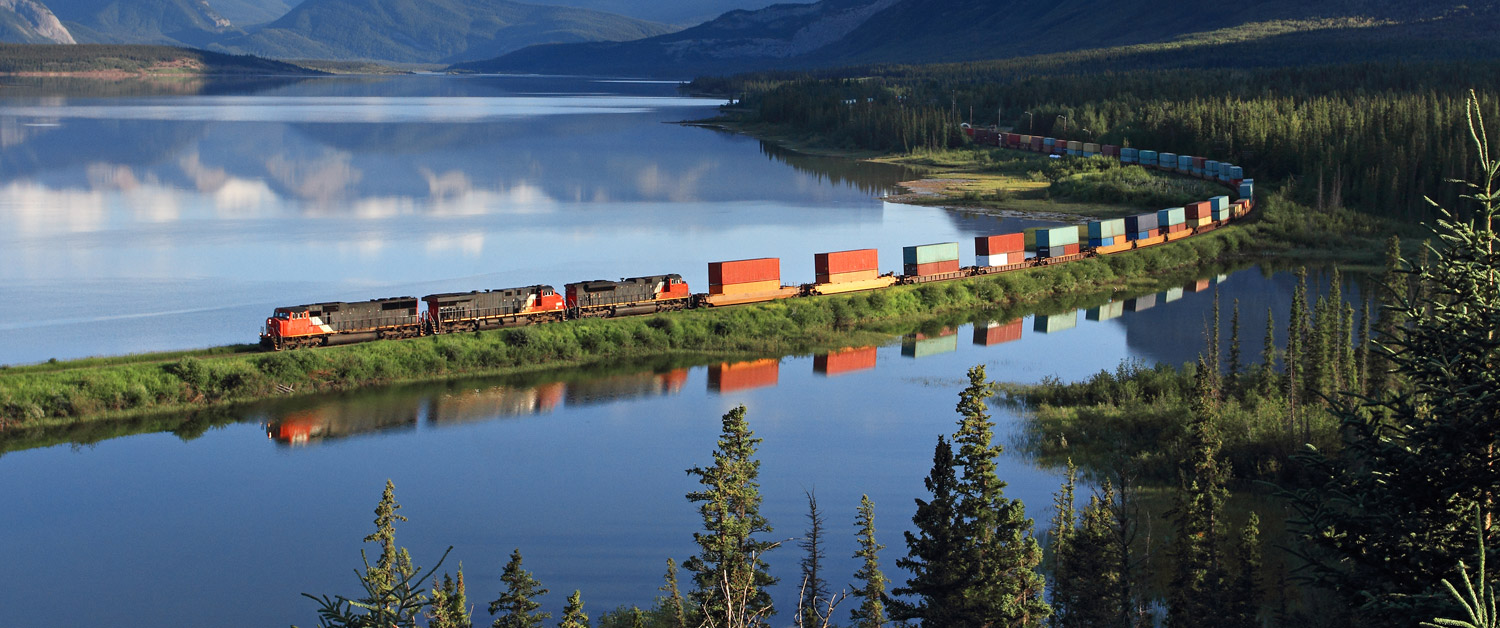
517	606
730	571
1388	510
389	566
450	604
1362	358
674	597
936	551
1348	369
1094	556
1244	597
1215	363
871	588
1064	520
1393	295
1196	595
1296	335
1268	357
573	615
1235	363
814	587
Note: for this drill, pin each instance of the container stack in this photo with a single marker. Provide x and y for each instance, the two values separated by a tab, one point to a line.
746	276
1210	169
922	345
1247	190
930	259
726	377
1075	149
1200	213
1057	242
1147	158
1111	310
1129	156
1236	174
1140	304
1037	143
1224	169
1241	207
1167	161
1198	165
1055	323
1171	294
994	333
1172	220
844	361
1090	149
1220	208
1110	150
1060	147
1107	232
1047	143
1142	227
1201	285
1000	250
1185	163
846	266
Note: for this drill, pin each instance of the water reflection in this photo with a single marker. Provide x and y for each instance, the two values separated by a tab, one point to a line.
920	345
845	361
992	333
342	419
618	387
736	376
483	404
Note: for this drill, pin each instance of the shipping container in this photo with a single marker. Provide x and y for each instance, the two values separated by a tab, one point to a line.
1075	146
756	270
921	345
1143	223
1057	236
1199	209
997	244
1026	140
1037	145
992	333
1060	148
1057	251
726	377
929	253
1147	158
1106	228
844	361
846	261
1110	150
931	268
1055	322
858	275
1224	170
1000	259
1185	163
751	287
1129	155
1247	190
1090	149
1200	162
1236	172
1211	168
1140	304
1219	202
1171	294
1048	142
1108	311
1171	216
1167	161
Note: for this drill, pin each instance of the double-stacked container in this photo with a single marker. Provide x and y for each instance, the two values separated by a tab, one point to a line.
1220	207
1055	323
1210	169
1166	161
1172	219
1090	149
1185	163
1000	250
997	333
1129	155
922	345
1140	304
746	276
1147	158
1107	232
1142	227
1057	242
1111	310
1240	208
1198	164
1047	144
930	259
1075	149
1110	150
1060	147
1224	168
1038	143
1200	213
1236	174
1025	141
844	361
1247	190
846	266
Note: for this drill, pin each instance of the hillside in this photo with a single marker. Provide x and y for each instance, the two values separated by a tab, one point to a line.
171	22
31	22
851	32
133	59
441	31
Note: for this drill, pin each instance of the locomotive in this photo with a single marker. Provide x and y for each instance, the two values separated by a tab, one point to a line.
758	280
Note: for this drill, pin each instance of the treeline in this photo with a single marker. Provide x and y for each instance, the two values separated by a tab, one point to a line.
1373	137
73	58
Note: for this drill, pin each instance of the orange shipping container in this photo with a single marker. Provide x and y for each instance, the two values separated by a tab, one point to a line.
999	244
846	262
1201	285
743	375
745	271
858	275
745	288
996	333
1202	209
845	361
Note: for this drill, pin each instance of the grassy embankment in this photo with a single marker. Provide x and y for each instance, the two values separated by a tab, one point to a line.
129	60
58	394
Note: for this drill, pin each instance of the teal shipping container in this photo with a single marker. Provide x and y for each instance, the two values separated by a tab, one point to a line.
1211	168
929	253
1148	157
1129	155
1172	294
1224	171
1236	172
1247	190
1219	202
913	346
1101	229
1171	216
1106	312
1167	160
1056	237
1184	163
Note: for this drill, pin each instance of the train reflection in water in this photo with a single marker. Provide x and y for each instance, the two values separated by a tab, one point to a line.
463	402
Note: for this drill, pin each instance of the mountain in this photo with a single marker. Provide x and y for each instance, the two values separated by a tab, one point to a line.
852	32
682	12
174	22
250	13
31	22
432	31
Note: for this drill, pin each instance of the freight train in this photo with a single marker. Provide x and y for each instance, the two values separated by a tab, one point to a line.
759	280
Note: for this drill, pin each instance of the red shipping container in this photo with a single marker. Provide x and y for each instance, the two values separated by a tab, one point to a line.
997	334
999	244
1110	150
744	271
1201	209
846	261
932	268
744	375
845	361
1036	143
1070	249
1176	228
1200	162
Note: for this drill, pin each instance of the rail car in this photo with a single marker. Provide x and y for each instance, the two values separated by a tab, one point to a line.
759	280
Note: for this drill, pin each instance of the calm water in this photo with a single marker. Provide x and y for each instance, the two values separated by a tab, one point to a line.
177	222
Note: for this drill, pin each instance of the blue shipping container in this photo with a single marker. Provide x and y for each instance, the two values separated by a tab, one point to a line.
1128	155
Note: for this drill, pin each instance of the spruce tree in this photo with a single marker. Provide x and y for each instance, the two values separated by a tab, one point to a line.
1362	358
1196	594
1094	556
936	554
450	604
1393	295
573	615
1243	607
1296	335
814	587
1268	357
730	573
1235	363
1388	510
389	568
517	606
871	588
1064	520
674	597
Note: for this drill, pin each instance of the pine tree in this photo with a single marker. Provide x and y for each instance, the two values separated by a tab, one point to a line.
1196	595
1268	357
388	566
674	597
450	604
1094	556
871	588
814	587
573	615
517	606
936	552
730	571
1393	295
1243	608
1235	363
1296	334
1064	520
1362	359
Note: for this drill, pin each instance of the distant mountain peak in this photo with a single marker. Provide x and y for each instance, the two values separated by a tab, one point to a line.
32	23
